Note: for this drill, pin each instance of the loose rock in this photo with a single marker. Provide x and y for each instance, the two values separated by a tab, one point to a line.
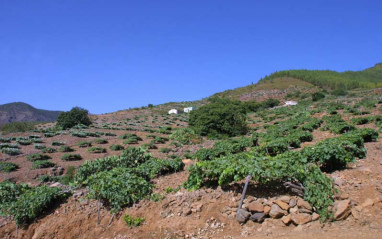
242	215
301	218
277	212
258	217
341	209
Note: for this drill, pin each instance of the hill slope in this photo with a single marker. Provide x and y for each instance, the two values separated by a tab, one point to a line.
279	84
22	112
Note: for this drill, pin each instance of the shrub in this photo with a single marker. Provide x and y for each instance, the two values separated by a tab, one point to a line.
165	150
35	157
317	96
11	151
84	144
110	134
8	145
24	142
65	149
73	117
222	118
49	150
57	143
97	150
17	127
71	157
42	164
7	167
39	146
116	147
100	141
185	136
130	221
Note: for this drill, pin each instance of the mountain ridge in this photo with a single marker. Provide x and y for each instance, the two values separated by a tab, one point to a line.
23	112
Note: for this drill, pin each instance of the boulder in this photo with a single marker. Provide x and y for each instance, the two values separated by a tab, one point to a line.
285	199
301	218
267	209
258	217
286	219
315	216
242	215
282	205
292	202
256	207
304	204
341	209
277	212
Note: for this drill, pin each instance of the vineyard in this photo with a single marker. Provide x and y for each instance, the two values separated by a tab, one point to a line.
138	171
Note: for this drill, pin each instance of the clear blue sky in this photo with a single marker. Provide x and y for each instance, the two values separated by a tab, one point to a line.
111	55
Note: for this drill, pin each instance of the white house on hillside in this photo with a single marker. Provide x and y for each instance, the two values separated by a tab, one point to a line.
173	111
287	103
189	109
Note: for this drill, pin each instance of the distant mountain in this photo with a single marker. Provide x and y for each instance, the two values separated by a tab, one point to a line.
22	112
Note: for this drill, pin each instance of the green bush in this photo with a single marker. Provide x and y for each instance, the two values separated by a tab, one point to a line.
130	221
317	96
24	142
222	118
35	157
71	157
49	150
39	146
165	150
116	147
100	141
7	167
57	143
18	127
84	144
97	150
11	151
42	164
73	117
65	149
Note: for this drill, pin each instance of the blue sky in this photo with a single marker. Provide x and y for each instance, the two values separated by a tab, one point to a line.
112	55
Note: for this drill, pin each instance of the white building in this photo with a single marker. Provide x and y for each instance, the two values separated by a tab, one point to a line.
287	103
189	109
173	111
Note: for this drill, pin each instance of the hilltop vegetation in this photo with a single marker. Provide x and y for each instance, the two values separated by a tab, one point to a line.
366	79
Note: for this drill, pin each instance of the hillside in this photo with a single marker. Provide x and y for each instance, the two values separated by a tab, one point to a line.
279	84
22	112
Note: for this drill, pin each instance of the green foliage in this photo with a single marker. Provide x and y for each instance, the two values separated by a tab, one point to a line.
69	176
39	146
97	150
42	164
369	78
84	144
185	136
130	221
317	96
165	150
222	118
8	145
24	142
116	147
11	151
71	157
100	141
337	125
35	157
8	167
57	143
118	188
49	150
33	203
18	127
73	117
65	149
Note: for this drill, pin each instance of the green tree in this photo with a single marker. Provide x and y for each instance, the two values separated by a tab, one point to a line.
219	119
76	115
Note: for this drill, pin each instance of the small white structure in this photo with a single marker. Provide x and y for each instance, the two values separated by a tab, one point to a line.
189	109
288	103
173	111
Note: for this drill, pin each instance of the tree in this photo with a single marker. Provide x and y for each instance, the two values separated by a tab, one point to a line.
219	119
317	96
76	115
